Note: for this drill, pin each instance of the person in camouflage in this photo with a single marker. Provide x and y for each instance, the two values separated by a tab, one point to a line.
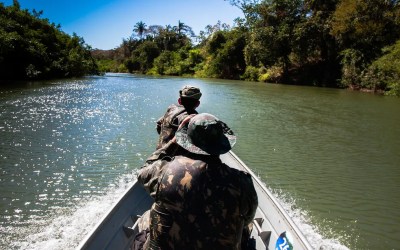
200	202
189	100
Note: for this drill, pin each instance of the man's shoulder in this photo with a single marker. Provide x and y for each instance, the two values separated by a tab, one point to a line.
186	161
174	107
235	171
184	164
171	108
167	113
240	176
173	111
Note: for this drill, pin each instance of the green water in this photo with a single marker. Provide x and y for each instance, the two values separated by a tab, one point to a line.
69	148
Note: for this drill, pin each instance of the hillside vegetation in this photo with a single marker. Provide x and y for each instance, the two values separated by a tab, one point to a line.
332	43
329	43
34	48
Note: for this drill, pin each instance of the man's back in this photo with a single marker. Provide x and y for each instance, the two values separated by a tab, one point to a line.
201	204
168	124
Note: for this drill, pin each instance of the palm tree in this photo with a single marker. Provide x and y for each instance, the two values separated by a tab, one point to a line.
183	28
167	37
140	28
168	28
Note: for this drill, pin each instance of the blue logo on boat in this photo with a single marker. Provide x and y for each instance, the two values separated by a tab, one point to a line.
283	242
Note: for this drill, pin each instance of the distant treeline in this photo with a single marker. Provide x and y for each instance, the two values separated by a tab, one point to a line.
333	43
34	48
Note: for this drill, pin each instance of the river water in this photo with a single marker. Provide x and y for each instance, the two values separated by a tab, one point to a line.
69	148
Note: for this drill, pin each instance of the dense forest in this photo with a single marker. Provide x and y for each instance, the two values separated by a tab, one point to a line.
330	43
33	48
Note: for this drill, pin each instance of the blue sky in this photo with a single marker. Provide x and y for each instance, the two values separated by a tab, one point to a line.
104	23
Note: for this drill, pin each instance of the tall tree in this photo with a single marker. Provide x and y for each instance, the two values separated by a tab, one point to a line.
140	28
314	46
155	30
366	25
362	28
182	28
34	48
272	25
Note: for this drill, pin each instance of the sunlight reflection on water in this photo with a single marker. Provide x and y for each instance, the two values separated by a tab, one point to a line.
69	148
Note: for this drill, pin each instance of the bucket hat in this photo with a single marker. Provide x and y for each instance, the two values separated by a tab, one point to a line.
205	134
190	92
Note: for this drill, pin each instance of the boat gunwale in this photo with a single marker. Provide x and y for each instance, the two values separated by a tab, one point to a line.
90	236
85	241
275	202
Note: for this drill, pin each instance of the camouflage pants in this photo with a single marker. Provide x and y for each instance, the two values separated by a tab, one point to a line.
143	225
144	221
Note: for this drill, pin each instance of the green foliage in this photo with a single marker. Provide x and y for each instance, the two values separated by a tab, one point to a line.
143	57
195	57
312	38
122	68
133	65
366	25
273	24
182	29
384	73
110	65
227	58
167	63
352	66
189	59
176	63
140	29
336	43
216	42
272	74
32	48
262	74
259	49
264	77
251	74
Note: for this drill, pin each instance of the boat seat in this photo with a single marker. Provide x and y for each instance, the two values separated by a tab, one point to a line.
261	236
264	235
261	230
133	230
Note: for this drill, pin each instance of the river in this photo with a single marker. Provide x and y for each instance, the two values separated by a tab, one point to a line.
69	148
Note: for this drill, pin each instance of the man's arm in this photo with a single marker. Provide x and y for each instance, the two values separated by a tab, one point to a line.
250	198
159	122
152	170
149	176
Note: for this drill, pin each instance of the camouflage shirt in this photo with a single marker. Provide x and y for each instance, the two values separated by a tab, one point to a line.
199	203
169	123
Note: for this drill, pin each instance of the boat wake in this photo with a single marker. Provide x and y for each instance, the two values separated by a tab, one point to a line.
311	232
67	230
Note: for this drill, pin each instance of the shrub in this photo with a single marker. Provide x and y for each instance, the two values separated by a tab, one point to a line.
251	74
272	74
352	66
384	73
